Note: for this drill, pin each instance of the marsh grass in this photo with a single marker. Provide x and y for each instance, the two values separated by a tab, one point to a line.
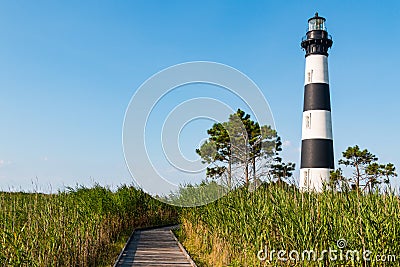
80	227
230	231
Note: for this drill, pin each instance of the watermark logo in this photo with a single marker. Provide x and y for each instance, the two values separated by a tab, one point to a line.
341	243
340	253
151	132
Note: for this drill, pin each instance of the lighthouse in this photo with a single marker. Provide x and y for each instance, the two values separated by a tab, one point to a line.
317	142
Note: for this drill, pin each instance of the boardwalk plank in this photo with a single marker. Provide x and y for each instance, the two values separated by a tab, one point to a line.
154	247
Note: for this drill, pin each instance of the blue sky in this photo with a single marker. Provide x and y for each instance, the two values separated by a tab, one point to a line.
69	69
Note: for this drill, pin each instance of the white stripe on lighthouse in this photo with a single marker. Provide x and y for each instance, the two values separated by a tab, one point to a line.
317	124
316	69
313	178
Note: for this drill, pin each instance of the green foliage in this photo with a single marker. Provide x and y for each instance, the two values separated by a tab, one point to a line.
74	228
230	231
388	171
196	195
358	159
337	180
281	170
239	142
366	168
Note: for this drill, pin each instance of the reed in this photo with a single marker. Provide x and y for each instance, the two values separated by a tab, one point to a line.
232	230
74	228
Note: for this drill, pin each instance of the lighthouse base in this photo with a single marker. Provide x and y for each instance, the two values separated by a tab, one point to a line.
313	179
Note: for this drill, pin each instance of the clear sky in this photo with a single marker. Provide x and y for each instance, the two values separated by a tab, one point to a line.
69	69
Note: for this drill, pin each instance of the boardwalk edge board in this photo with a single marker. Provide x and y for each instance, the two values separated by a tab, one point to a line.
182	248
124	248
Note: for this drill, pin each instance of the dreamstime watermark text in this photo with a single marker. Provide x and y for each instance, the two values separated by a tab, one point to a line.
340	253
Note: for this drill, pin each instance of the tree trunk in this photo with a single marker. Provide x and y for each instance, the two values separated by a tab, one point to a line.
230	172
246	173
358	177
246	158
254	169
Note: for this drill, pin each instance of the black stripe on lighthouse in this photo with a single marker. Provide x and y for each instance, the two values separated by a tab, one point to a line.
316	97
317	153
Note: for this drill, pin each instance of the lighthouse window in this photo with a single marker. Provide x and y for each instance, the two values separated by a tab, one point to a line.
316	24
309	76
307	177
319	23
308	121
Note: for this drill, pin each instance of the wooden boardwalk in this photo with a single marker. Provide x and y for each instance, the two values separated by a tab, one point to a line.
154	247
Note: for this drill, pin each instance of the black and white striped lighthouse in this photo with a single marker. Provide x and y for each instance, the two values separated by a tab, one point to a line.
317	142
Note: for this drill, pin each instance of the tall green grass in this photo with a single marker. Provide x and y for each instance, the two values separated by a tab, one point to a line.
74	228
231	231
